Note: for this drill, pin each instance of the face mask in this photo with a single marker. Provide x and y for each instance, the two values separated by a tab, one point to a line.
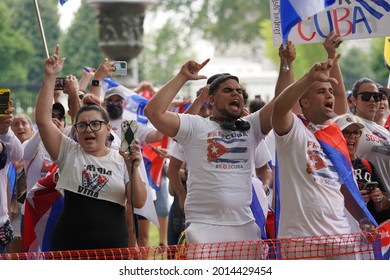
114	111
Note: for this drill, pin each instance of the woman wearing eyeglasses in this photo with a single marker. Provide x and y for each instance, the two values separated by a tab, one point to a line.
375	140
367	178
98	182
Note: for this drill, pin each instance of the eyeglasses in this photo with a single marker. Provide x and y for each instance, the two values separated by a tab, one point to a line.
366	96
93	125
57	116
356	133
114	102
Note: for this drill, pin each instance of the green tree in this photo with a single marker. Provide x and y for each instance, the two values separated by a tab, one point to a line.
164	52
80	43
15	52
219	21
352	65
15	56
378	66
25	21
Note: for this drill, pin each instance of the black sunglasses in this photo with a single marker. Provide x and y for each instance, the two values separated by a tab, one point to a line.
366	96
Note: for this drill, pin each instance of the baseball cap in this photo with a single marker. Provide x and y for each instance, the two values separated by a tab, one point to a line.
343	121
219	80
383	90
115	91
213	77
59	107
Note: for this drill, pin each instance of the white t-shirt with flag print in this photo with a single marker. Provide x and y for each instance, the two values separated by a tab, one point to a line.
311	203
96	177
220	164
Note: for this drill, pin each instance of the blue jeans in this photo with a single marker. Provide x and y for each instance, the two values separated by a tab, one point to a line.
2	249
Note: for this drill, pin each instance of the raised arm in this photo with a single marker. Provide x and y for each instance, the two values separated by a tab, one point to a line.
86	78
282	116
50	134
7	137
106	68
331	43
157	108
285	78
72	90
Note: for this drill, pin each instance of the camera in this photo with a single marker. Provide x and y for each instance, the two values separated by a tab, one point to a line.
5	100
60	84
370	186
120	68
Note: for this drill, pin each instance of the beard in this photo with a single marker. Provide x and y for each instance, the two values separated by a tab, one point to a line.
228	115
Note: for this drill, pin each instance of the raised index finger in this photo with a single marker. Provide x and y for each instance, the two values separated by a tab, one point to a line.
204	63
58	50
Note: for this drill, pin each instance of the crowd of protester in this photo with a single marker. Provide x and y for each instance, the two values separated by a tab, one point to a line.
331	147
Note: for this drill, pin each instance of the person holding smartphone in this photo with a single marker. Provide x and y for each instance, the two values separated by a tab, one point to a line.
366	175
99	183
11	150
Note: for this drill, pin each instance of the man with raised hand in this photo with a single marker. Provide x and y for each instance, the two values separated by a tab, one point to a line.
315	185
219	152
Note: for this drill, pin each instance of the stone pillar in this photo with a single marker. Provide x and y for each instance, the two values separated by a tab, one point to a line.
121	33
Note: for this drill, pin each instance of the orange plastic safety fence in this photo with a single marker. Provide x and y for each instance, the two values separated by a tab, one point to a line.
352	246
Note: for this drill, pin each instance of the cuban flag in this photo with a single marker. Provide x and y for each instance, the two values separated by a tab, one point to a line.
43	207
153	163
384	234
135	103
294	11
259	206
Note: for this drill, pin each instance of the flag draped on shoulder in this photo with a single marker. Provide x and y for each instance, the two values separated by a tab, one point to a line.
294	11
331	141
43	207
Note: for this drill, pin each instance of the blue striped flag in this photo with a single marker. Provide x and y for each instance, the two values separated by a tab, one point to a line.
294	11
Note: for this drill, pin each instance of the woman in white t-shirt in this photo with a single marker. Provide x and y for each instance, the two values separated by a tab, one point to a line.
99	183
375	141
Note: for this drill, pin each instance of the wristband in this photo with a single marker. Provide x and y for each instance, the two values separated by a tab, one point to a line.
96	83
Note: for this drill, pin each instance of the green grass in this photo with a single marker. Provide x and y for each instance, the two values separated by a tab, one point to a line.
154	238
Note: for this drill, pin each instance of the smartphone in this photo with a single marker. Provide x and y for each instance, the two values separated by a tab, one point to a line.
5	100
129	130
60	84
120	68
370	186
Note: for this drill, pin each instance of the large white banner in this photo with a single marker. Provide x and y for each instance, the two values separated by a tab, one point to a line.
350	19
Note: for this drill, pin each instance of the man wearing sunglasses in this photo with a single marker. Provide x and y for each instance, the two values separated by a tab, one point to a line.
375	141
